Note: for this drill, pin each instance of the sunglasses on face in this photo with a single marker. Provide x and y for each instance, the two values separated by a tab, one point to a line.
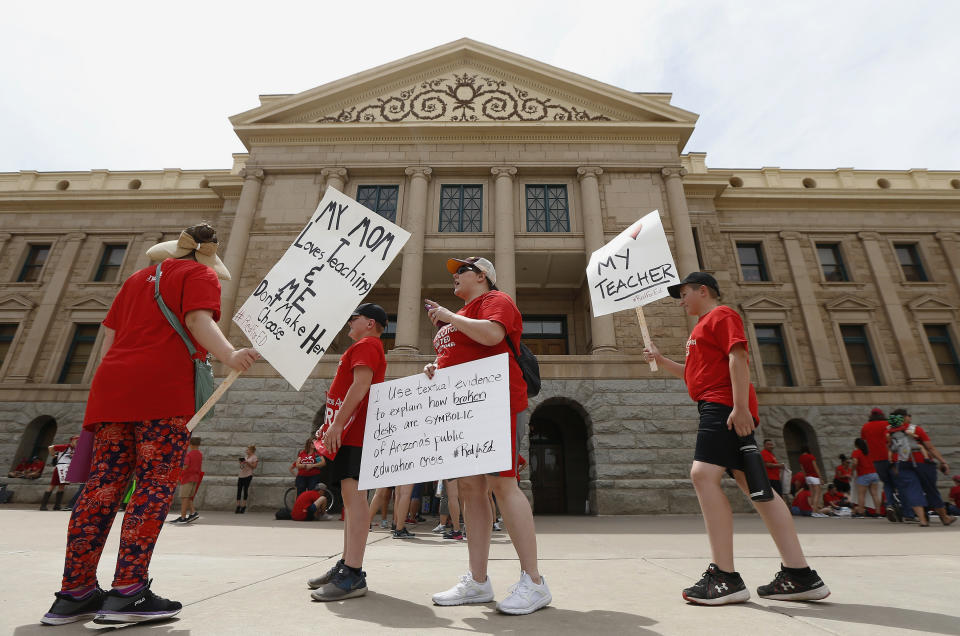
467	268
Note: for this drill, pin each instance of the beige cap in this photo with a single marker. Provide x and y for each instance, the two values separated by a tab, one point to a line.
206	253
480	263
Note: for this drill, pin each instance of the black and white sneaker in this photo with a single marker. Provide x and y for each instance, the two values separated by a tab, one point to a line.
178	520
191	518
403	534
67	609
786	586
345	583
717	588
325	578
138	607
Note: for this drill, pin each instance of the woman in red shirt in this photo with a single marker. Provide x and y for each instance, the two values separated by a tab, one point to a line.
307	467
141	399
479	330
842	474
866	477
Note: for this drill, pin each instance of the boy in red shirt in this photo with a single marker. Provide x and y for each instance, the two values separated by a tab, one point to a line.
189	480
801	503
362	365
310	505
717	375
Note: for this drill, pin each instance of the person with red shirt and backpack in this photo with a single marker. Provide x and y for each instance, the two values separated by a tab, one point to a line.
874	433
140	401
488	324
717	375
341	440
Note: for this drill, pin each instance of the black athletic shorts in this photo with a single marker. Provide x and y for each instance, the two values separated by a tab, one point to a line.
715	443
346	465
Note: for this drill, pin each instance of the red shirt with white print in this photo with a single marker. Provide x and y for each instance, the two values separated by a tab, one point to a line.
366	352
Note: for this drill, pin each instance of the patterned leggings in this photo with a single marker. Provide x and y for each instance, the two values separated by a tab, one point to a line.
152	451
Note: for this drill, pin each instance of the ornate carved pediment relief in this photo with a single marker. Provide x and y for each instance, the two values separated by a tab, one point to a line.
849	303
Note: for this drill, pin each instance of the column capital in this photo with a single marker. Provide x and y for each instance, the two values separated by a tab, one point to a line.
588	171
790	236
673	172
503	171
5	236
326	173
942	236
868	236
75	236
419	171
252	173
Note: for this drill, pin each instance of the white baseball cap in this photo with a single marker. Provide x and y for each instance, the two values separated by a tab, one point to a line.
478	262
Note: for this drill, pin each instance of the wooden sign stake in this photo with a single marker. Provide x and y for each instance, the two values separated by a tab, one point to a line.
646	334
217	394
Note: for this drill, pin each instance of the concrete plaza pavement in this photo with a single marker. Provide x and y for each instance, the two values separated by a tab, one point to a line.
608	575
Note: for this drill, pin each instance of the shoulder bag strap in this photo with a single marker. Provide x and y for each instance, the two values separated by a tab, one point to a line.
171	317
512	348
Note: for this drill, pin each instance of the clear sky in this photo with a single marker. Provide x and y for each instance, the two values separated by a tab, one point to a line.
135	86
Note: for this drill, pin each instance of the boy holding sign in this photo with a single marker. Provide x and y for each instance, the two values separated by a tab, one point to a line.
362	365
718	379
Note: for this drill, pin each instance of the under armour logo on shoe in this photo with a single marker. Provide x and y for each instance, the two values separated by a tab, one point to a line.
721	588
788	585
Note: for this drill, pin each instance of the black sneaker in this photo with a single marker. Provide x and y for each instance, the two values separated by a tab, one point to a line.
139	607
794	587
178	520
192	518
325	578
403	534
456	535
67	609
717	588
344	584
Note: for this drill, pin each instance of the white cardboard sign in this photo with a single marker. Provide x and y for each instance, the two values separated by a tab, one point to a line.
633	269
304	301
455	425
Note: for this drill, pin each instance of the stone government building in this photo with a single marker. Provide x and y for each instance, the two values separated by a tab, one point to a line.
848	280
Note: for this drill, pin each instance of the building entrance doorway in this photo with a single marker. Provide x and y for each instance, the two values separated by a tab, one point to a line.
559	462
798	434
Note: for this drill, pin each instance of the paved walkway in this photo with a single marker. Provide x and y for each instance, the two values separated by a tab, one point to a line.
609	576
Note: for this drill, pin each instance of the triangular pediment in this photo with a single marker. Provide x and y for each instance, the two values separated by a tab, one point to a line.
849	303
764	303
16	303
930	303
465	82
89	303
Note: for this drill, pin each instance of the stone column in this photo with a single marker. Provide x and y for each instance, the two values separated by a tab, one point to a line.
902	333
23	364
816	333
505	253
4	237
949	245
604	337
335	178
409	308
680	221
236	250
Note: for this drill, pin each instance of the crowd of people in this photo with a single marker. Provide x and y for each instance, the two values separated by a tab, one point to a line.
891	452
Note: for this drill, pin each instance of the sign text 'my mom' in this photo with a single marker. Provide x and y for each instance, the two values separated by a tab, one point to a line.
299	307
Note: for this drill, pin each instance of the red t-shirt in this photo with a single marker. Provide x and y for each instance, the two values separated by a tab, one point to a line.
307	458
802	500
829	498
455	347
366	352
707	370
809	464
304	501
955	495
874	433
36	466
798	479
921	436
842	473
147	374
192	467
773	474
863	463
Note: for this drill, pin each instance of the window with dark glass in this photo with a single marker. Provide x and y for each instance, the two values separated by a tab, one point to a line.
78	355
696	245
380	199
831	261
108	270
752	265
461	208
547	208
860	356
944	352
7	332
773	355
545	335
32	266
389	335
909	257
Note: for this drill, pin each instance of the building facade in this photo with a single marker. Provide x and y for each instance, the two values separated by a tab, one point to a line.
848	281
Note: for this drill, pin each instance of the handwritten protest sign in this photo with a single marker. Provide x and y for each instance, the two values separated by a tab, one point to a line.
633	269
304	301
455	425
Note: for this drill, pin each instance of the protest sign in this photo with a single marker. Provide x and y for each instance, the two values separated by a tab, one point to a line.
633	269
304	301
455	425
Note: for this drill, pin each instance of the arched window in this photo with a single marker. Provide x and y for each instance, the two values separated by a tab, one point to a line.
37	436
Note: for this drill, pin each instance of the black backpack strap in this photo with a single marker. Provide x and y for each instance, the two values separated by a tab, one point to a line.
510	344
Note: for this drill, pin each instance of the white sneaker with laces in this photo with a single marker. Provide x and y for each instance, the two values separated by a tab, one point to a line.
526	597
466	591
384	524
440	528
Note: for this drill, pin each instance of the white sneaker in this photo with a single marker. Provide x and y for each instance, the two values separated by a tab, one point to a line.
466	591
526	597
497	526
441	528
384	524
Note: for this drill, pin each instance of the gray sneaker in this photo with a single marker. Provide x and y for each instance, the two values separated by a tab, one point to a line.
344	584
324	578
